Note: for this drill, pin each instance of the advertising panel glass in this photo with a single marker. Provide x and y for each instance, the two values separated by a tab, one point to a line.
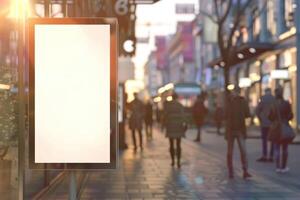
73	86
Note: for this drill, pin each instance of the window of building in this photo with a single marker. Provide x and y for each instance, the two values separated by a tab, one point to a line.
271	17
256	24
289	12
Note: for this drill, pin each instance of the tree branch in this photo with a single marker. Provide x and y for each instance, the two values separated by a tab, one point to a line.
240	11
217	10
226	13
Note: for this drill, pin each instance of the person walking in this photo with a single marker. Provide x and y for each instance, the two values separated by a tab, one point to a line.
148	119
281	112
236	130
136	119
199	114
175	127
218	117
262	111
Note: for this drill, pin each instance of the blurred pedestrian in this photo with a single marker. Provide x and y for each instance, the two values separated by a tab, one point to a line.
175	127
236	130
199	114
281	133
148	119
136	119
218	117
262	111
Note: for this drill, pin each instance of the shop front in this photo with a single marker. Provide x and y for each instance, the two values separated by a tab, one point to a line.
287	63
254	92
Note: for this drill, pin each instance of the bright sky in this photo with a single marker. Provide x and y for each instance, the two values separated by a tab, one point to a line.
157	19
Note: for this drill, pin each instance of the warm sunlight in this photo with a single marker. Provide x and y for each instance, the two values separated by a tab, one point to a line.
19	9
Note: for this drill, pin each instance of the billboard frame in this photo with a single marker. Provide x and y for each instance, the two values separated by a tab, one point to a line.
112	22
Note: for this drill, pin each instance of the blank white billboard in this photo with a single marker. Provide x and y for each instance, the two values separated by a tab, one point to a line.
72	93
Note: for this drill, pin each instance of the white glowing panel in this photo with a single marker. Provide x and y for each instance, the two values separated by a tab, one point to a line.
72	93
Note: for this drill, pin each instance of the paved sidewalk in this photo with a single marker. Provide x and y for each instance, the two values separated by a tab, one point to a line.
148	175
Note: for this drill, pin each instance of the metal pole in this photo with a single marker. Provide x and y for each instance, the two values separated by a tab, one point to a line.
72	186
21	107
297	10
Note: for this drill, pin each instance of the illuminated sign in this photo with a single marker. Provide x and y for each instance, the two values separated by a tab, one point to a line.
245	82
280	74
73	113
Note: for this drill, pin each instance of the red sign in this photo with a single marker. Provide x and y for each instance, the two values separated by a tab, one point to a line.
161	52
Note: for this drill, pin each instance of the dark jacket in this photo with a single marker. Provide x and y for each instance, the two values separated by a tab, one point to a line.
136	115
238	111
174	119
284	110
218	115
199	112
263	110
148	114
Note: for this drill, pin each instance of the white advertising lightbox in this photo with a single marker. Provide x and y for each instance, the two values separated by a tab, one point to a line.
73	88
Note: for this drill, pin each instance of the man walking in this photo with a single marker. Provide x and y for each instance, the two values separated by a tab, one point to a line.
262	111
236	130
136	119
199	113
148	119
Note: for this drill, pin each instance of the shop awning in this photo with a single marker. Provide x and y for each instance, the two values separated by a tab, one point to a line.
244	52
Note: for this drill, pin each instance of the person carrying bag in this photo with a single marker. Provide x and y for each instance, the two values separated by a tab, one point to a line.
281	133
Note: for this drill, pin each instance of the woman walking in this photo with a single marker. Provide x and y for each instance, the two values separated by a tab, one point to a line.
280	115
175	127
148	119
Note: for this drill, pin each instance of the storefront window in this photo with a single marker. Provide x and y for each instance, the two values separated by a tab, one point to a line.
268	65
288	61
289	13
254	91
241	74
271	17
254	97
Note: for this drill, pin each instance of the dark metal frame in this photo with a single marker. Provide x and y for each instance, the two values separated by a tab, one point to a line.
113	93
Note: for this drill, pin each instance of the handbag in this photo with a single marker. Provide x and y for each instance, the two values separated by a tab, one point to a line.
287	133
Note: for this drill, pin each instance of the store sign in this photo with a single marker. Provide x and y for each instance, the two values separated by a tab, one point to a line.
280	74
161	51
73	92
245	82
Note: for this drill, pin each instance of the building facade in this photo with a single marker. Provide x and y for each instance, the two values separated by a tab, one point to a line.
181	58
153	78
267	54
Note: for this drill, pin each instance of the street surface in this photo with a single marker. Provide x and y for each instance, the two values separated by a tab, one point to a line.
203	175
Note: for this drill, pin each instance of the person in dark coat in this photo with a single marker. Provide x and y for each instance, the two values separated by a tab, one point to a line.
136	119
236	130
199	114
175	127
218	117
148	119
262	112
282	108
